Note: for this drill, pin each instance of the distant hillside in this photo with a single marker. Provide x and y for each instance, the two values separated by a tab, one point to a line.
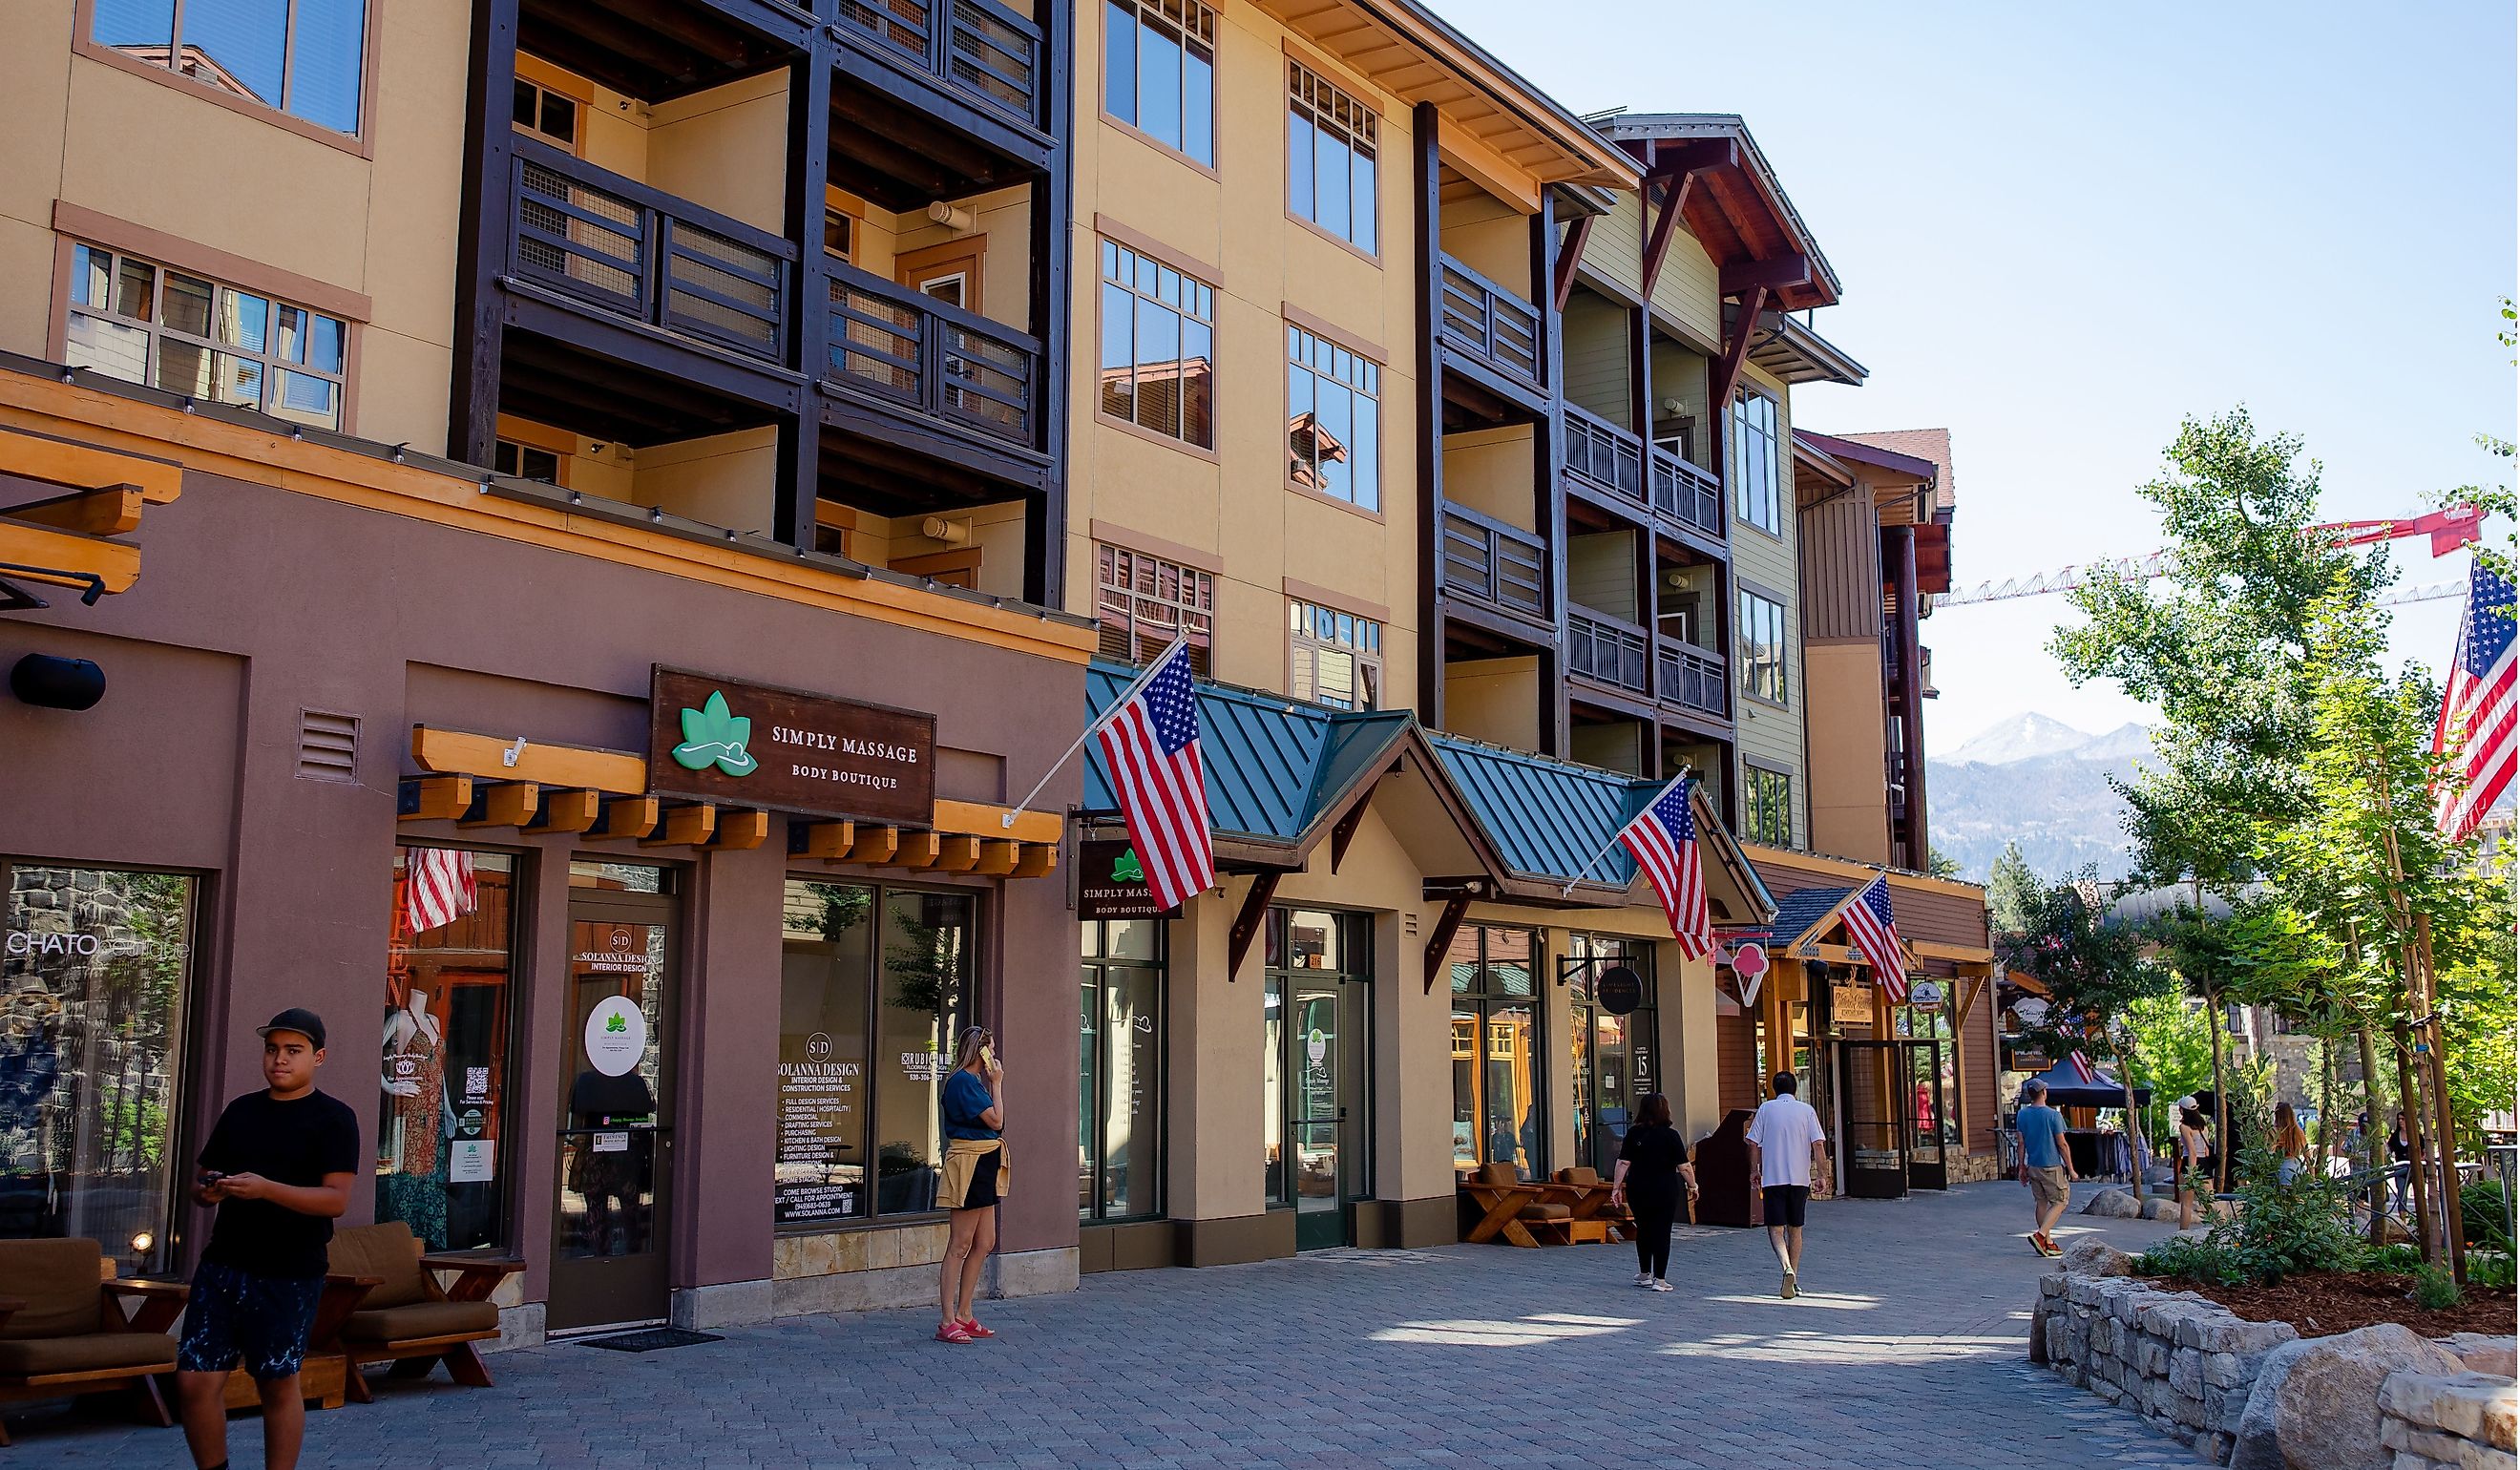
2039	782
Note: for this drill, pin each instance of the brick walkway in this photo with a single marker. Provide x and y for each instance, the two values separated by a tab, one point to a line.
1906	1348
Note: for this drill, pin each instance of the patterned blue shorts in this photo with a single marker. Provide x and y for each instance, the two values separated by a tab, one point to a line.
235	1315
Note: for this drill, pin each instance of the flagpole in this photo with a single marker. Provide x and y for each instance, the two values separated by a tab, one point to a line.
1008	819
1621	832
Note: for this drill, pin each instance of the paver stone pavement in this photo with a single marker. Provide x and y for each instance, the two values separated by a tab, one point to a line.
1907	1348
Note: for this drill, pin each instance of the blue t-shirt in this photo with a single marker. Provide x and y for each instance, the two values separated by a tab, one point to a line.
966	1098
2043	1135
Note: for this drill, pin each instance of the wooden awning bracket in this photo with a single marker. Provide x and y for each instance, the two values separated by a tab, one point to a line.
1247	919
433	798
624	817
688	825
1439	944
513	803
567	812
739	831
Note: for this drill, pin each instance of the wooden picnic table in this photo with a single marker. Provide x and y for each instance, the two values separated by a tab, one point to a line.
1536	1211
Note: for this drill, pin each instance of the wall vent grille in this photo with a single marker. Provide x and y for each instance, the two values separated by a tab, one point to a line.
328	746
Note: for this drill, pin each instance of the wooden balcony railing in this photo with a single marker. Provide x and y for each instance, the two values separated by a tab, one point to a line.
647	254
978	47
1606	649
1605	453
1692	678
1686	493
912	350
1492	325
1489	562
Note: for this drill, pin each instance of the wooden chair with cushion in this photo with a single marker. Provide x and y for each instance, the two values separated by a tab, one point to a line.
1587	1194
63	1331
407	1318
1514	1207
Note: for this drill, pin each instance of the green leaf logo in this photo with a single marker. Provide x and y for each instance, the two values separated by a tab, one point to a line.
714	735
1127	869
616	1023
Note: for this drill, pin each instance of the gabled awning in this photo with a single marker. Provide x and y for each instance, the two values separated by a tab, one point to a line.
1806	918
1283	776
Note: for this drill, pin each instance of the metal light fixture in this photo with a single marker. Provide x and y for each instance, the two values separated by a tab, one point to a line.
49	682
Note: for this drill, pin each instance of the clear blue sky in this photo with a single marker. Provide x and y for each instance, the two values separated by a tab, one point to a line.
2062	228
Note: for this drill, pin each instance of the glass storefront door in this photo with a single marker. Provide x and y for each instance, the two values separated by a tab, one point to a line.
1611	1042
616	1101
1316	1009
1929	1137
1879	1118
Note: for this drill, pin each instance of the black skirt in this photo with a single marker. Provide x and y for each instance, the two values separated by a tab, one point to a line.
983	1192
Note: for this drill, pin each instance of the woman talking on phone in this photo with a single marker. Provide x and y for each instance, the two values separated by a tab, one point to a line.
975	1177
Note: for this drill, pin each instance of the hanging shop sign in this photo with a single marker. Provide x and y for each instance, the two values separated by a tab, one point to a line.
1620	990
756	745
1926	994
1111	883
1850	1003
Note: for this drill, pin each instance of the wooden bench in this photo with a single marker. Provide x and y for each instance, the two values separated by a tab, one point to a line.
1514	1208
405	1317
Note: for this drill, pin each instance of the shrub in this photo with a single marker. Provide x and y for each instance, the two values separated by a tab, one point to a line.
2436	1289
2278	1231
2191	1258
2485	1214
2491	1269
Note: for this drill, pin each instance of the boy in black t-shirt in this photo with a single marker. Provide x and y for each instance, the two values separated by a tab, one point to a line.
278	1166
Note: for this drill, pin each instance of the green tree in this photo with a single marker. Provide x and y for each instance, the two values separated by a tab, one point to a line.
1941	864
2094	973
2175	1055
2011	891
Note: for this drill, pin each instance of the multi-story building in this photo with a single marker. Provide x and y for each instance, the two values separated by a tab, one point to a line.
603	468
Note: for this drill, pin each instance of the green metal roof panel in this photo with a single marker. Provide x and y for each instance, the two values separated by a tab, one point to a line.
1271	763
1547	817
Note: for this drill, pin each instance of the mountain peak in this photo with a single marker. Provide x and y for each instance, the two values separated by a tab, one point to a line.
2021	737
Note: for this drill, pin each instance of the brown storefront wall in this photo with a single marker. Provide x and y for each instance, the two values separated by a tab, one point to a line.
259	605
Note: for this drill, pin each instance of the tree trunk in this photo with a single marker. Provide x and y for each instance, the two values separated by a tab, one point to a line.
2222	1093
2326	1097
2135	1126
2444	1125
2410	1108
2375	1144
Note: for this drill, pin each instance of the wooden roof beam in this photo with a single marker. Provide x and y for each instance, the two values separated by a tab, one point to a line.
433	798
507	803
106	511
567	812
1570	254
739	831
84	467
1736	351
1775	273
688	825
623	817
1035	861
1666	224
63	558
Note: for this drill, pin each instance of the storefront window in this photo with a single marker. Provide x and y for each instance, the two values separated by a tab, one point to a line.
1495	1096
1120	1140
877	986
1611	1042
448	1005
95	975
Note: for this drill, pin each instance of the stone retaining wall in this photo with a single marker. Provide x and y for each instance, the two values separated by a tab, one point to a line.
2257	1395
2180	1361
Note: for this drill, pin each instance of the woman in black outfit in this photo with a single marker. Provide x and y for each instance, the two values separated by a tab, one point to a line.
1653	1166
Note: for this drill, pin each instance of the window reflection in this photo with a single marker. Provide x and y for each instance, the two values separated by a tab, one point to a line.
445	1074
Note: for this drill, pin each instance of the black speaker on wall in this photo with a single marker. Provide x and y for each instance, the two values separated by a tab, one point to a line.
52	683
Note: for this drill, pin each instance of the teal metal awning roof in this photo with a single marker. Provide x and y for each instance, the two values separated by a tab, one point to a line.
1547	817
1275	768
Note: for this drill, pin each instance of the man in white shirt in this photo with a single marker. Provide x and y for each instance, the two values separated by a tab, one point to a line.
1785	1143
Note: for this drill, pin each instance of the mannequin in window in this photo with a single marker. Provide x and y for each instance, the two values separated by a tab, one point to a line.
411	1136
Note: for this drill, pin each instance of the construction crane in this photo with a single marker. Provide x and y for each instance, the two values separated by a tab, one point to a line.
2448	530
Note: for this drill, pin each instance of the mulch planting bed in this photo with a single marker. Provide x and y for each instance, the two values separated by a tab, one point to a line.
2324	1303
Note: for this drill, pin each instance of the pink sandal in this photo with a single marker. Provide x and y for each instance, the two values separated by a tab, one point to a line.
953	1332
971	1328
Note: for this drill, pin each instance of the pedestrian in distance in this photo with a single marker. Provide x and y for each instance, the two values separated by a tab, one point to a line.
2047	1163
2292	1145
1652	1168
278	1166
2195	1150
976	1177
2402	1156
1785	1142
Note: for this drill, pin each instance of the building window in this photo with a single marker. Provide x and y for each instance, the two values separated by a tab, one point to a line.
1768	806
152	324
1158	347
1613	1052
877	985
1119	1078
96	966
1330	149
1159	72
840	234
1496	1049
1756	498
449	1004
1337	656
301	56
524	462
1333	420
544	113
1761	637
1147	601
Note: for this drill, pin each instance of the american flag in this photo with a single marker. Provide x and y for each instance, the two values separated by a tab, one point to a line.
1876	937
2083	1072
1150	742
1664	839
2478	722
438	887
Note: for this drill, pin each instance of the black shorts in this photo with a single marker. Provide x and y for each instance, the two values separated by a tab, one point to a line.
1787	1204
984	1191
237	1316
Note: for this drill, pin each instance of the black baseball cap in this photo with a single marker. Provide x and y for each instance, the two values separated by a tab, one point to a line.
300	1019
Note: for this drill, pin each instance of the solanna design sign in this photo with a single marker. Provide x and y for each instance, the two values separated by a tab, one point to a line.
786	751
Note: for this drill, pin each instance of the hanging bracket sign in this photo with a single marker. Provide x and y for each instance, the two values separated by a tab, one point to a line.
784	750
